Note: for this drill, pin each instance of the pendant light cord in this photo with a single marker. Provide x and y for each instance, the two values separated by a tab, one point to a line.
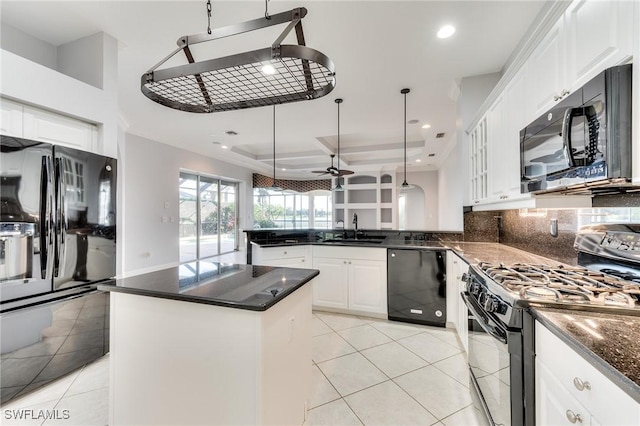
404	92
274	146
405	137
338	140
209	17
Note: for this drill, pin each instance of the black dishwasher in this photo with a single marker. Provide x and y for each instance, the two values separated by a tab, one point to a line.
416	286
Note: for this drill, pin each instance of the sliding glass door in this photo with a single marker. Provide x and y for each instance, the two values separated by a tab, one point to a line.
208	216
228	216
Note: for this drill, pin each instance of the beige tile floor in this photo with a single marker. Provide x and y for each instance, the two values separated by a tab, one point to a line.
378	372
365	371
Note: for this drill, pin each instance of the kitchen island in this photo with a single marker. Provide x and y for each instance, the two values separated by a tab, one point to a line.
211	343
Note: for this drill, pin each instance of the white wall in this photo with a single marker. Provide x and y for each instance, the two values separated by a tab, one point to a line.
421	206
453	176
32	83
22	44
149	177
81	60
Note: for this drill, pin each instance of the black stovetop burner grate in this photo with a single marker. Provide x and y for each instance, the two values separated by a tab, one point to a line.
563	284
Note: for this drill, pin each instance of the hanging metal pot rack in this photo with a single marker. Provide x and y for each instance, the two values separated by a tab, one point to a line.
238	81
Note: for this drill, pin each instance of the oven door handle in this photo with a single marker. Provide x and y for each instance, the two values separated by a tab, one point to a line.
494	330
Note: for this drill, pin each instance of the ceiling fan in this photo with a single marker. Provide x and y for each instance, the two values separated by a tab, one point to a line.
332	170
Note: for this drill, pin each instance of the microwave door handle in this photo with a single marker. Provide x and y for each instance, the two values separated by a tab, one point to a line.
46	217
566	135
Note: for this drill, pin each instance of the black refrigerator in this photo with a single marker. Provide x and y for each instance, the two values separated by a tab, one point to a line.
57	241
417	286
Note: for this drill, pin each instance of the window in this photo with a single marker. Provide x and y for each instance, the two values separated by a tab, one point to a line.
277	209
208	216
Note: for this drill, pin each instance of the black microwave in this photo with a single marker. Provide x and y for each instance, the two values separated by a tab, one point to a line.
583	141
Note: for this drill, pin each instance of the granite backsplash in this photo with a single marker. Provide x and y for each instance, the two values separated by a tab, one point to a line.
531	230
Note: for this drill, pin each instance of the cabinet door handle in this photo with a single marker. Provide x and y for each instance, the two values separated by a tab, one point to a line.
564	93
285	253
573	417
580	384
302	260
557	97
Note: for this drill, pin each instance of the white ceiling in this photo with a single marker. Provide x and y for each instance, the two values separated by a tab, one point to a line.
378	48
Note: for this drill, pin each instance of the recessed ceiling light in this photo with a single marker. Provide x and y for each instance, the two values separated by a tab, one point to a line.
426	126
418	160
224	147
268	69
446	31
284	170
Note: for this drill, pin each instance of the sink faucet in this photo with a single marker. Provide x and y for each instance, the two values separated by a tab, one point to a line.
355	223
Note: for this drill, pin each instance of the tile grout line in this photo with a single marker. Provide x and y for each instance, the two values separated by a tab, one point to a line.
442	341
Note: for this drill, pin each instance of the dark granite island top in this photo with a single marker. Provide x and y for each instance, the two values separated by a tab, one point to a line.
250	287
237	352
609	341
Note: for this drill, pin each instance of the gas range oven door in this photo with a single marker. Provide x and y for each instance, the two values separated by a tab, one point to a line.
490	363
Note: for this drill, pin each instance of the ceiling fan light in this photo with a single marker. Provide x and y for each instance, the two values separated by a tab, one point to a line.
338	188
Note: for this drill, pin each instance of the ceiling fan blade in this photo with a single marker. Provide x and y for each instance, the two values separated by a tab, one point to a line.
322	172
344	172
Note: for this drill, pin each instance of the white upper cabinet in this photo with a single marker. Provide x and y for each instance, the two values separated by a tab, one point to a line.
546	82
496	143
478	163
515	119
11	119
599	35
37	124
590	37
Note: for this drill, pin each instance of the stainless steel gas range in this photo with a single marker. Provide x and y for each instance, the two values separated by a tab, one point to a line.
501	329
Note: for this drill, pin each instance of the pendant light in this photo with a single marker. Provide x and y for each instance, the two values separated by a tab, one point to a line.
338	187
405	186
273	186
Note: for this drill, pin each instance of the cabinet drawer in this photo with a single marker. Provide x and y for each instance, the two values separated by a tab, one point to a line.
341	252
569	368
285	252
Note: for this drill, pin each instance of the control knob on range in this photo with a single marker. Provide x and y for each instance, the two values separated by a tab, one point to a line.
474	288
491	304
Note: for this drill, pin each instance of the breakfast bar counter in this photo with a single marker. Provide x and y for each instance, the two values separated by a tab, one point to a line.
211	343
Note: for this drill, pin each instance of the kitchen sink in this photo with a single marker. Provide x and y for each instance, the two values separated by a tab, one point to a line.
353	241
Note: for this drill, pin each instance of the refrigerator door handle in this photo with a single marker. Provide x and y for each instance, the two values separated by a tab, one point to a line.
46	217
61	225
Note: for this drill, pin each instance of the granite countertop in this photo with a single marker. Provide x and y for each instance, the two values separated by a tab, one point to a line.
471	252
608	341
250	287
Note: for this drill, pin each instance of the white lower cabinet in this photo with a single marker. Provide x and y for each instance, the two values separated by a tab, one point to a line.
457	313
288	256
352	279
569	390
331	288
554	404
